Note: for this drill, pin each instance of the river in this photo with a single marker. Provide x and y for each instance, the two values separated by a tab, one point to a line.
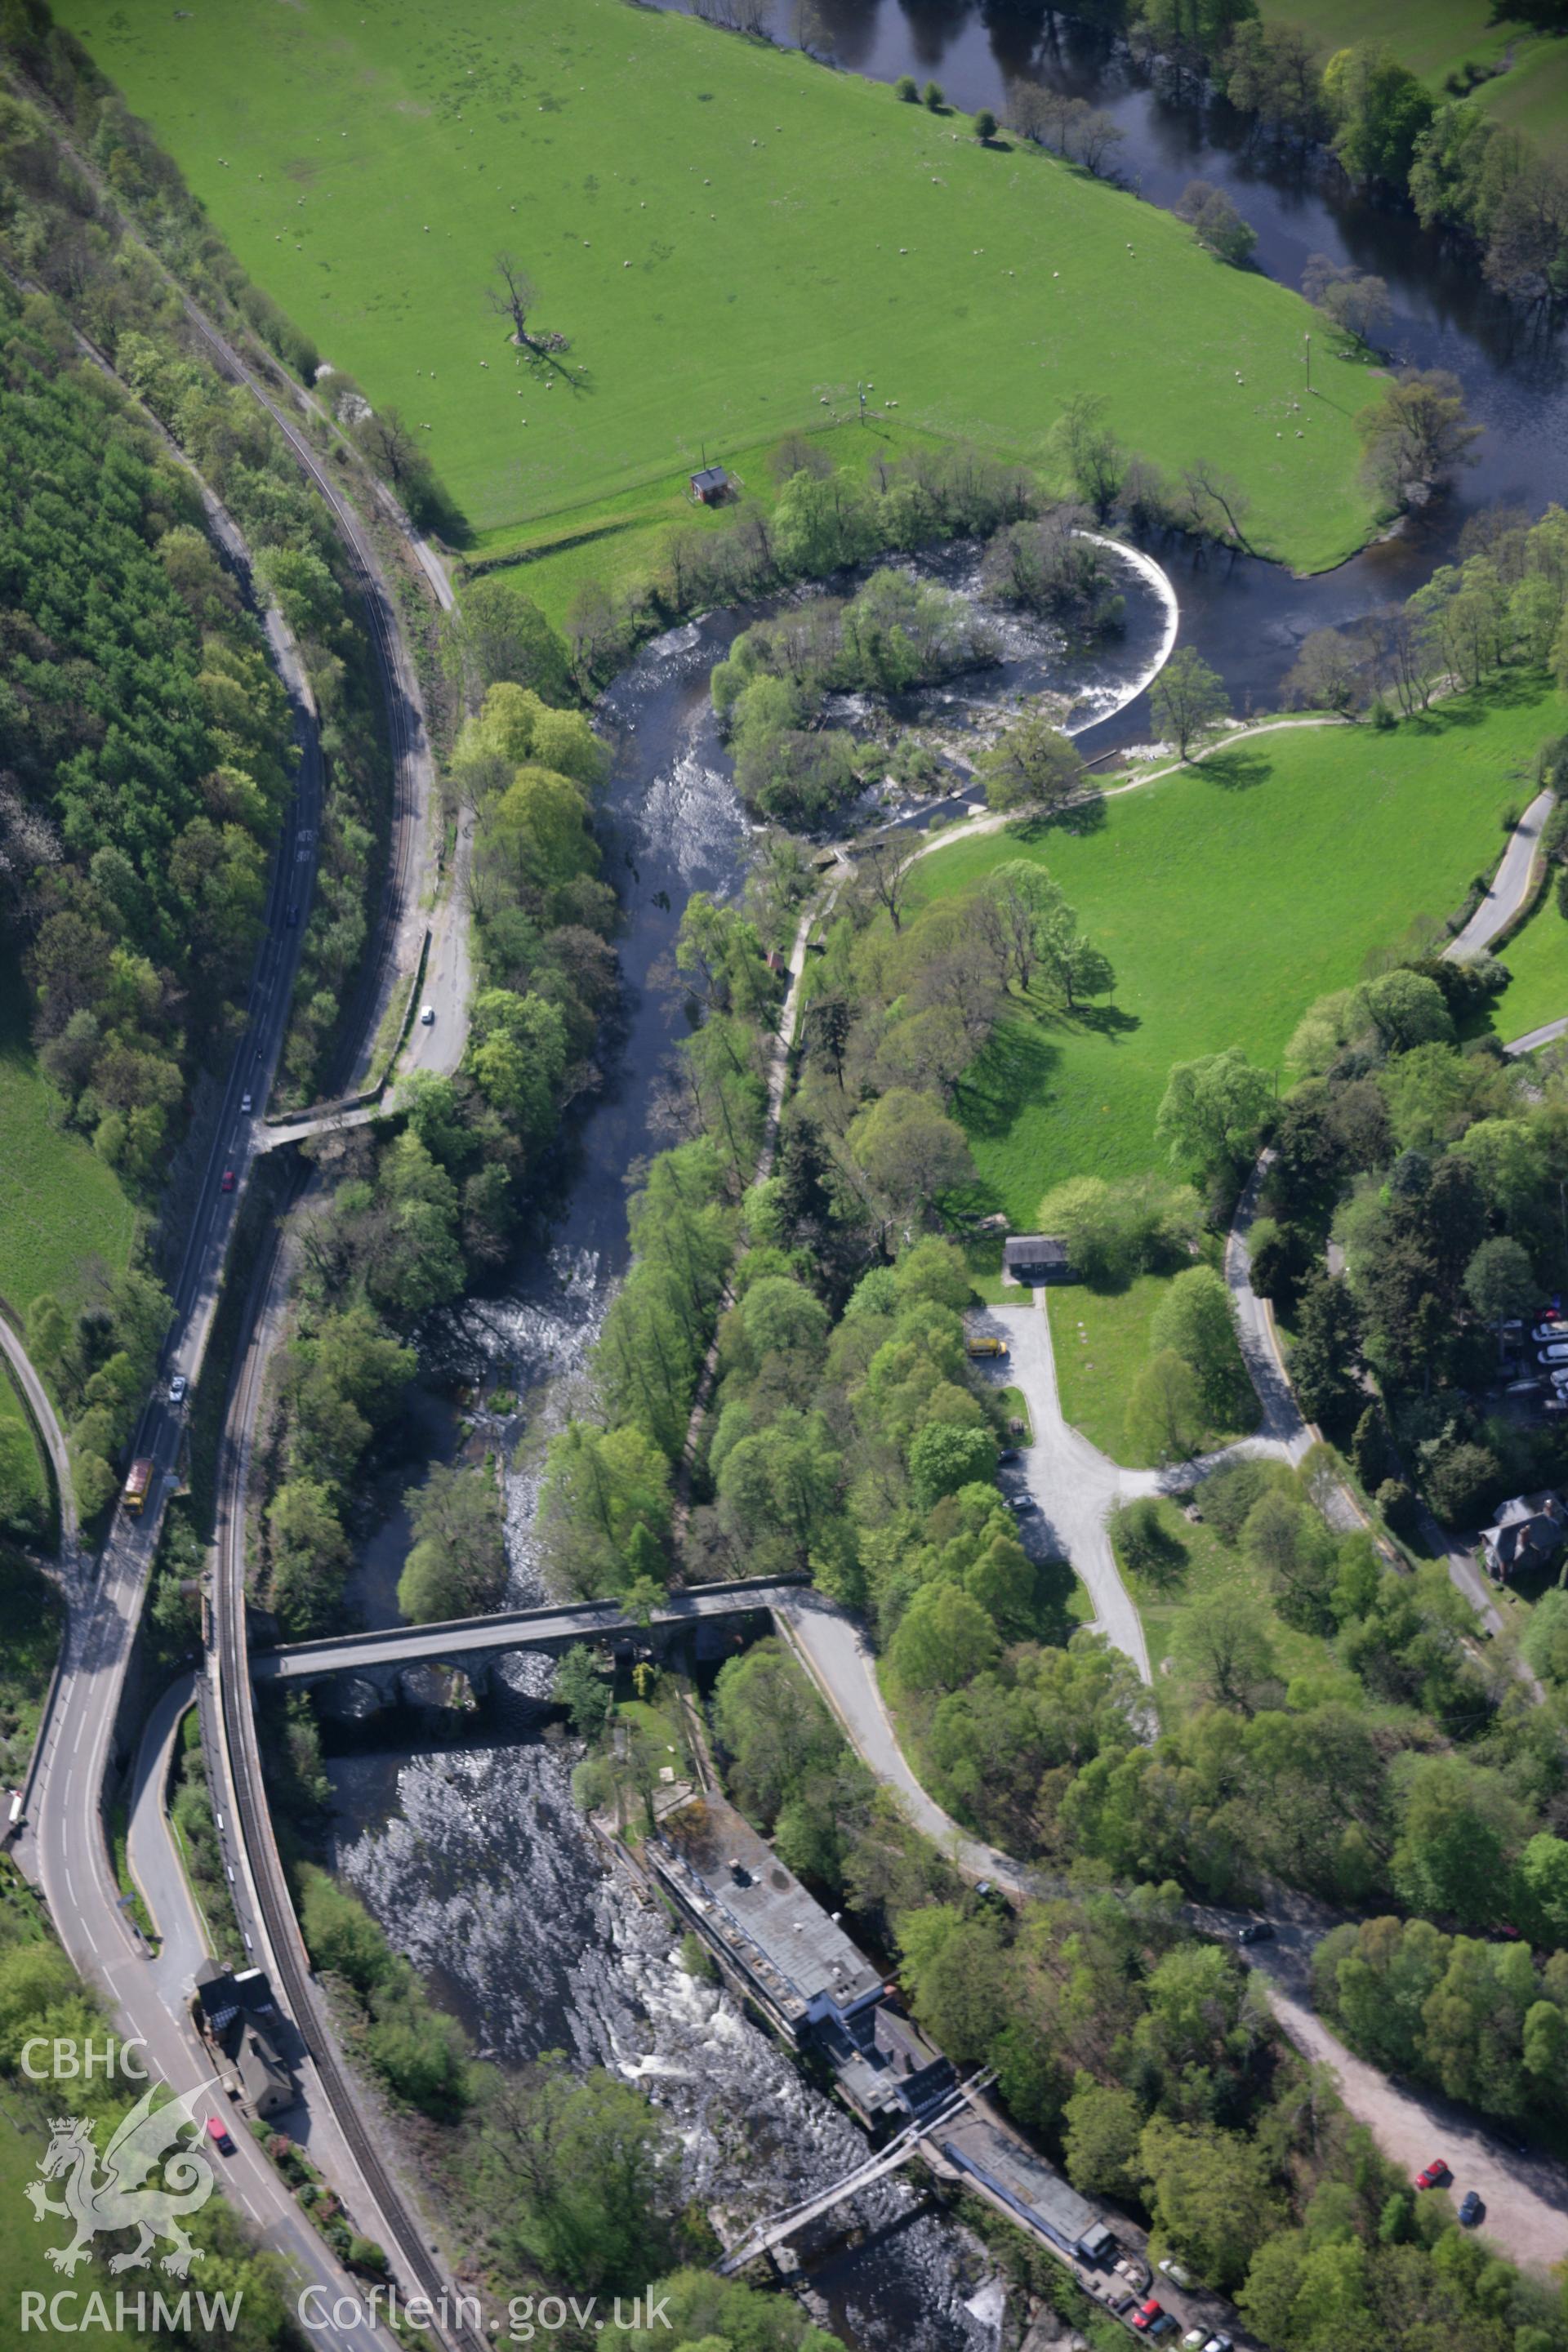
474	1857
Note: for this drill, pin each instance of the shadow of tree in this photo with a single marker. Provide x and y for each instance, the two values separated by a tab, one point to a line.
1237	770
1014	1069
1106	1020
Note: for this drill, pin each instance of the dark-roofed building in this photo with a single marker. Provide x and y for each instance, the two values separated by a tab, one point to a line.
1037	1257
1026	2184
248	2026
886	2069
1530	1530
710	487
794	1961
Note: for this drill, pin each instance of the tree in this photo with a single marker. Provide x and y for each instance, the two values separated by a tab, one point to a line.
1498	1280
1459	1831
778	1485
509	641
1328	674
931	96
1212	2196
310	1555
1164	1414
1032	766
600	1486
944	1639
1273	72
1114	1231
1212	1111
775	1727
1216	222
884	869
511	294
1196	1319
458	1565
1092	135
1095	458
1326	1360
907	89
1415	434
578	2168
1145	1542
984	126
943	1458
1226	1636
1102	2124
909	1151
1188	700
1355	299
389	443
582	1689
1381	108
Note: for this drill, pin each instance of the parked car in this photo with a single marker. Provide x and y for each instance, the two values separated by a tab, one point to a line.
1557	1353
1558	1375
1163	2326
1144	2318
1008	1453
1547	1331
218	2130
228	1183
1121	2305
1257	1931
1433	2175
1219	2344
426	1015
1022	1503
177	1388
1470	2209
1174	2272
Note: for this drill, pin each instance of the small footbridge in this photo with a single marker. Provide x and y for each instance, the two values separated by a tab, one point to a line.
773	2229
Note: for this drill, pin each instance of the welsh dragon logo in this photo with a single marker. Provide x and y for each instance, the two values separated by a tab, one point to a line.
116	2197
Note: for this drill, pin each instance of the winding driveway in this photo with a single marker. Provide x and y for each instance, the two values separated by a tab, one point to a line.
1511	885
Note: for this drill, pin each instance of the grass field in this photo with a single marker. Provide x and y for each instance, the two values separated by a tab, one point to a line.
1437	38
1538	958
60	1204
1227	898
732	238
1101	1339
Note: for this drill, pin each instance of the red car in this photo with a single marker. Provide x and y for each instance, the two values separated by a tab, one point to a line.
219	2131
1434	2174
228	1184
1144	2318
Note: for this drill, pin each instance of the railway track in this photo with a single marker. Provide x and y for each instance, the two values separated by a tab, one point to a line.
414	769
408	2248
